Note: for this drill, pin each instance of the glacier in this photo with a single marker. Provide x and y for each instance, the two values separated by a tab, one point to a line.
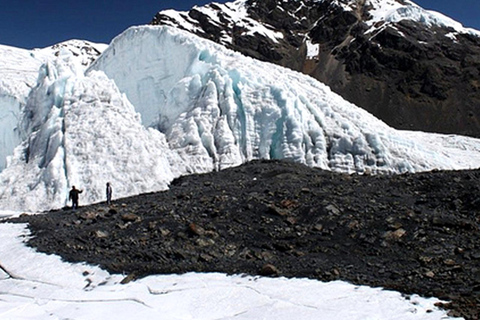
392	11
160	102
19	70
218	108
81	130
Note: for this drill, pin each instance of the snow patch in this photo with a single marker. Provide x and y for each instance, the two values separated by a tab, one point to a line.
313	50
392	11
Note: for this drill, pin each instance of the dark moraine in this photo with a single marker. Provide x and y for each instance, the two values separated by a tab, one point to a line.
416	233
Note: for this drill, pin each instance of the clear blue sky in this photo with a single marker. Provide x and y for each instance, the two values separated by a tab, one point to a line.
41	23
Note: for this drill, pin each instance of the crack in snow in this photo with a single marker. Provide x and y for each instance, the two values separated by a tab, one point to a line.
135	300
11	276
273	298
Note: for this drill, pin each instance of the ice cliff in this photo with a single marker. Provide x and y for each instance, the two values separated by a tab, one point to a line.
19	71
81	131
18	75
218	108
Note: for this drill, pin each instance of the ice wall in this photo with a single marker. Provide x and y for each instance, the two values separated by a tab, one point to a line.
9	113
19	71
18	74
82	131
218	108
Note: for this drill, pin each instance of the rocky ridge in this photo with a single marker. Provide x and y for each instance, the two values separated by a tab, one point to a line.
411	75
84	51
416	233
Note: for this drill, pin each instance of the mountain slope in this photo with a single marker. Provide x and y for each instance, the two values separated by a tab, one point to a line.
412	68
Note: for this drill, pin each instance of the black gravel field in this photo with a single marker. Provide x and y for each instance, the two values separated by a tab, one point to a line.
415	233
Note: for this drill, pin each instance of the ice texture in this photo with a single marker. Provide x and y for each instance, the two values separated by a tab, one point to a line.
81	131
219	108
19	71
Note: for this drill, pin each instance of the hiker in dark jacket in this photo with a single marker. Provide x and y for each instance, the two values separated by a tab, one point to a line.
109	193
73	195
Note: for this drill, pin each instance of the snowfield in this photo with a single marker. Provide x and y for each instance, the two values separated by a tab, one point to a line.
39	286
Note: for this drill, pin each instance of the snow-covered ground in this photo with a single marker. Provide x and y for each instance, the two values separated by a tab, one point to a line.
38	286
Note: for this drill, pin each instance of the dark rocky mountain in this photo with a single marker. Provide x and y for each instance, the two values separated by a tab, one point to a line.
408	72
414	233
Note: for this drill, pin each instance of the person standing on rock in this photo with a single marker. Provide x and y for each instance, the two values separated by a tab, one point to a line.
73	195
109	193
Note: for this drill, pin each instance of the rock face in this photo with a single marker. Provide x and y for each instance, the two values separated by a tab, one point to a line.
412	233
411	74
